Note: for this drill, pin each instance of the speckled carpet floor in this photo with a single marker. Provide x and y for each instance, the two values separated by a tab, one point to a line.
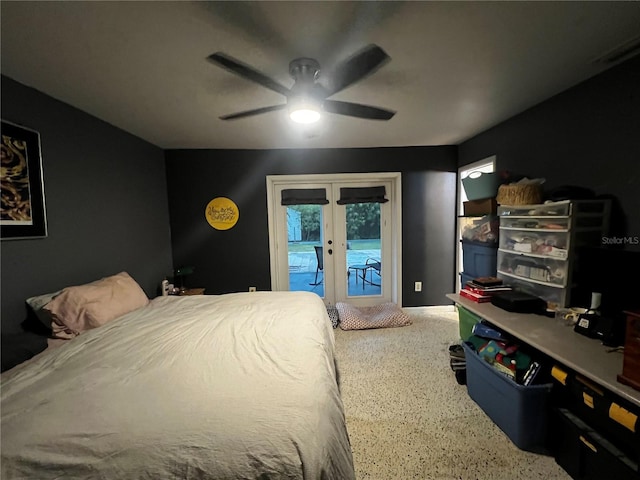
409	419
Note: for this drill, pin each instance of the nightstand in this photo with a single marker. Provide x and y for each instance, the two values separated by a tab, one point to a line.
631	359
192	291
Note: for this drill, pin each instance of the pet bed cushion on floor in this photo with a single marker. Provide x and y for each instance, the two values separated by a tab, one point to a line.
378	316
333	316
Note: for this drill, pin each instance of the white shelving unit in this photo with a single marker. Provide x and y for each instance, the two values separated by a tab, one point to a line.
537	251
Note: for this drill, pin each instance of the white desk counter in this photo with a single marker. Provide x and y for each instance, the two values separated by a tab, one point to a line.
586	356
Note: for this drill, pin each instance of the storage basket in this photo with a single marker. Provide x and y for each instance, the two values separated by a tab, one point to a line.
480	185
519	194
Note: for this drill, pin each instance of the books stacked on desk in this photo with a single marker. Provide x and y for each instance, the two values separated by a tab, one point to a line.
483	288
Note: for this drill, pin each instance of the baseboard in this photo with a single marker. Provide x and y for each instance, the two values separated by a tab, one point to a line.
430	309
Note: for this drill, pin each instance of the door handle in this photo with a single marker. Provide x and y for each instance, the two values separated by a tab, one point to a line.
330	242
330	251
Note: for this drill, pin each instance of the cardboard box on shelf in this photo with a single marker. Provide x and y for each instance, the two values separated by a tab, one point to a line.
484	206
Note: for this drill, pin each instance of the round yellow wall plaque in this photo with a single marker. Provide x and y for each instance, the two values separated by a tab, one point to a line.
222	213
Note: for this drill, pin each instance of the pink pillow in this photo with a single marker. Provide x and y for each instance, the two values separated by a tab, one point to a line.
88	306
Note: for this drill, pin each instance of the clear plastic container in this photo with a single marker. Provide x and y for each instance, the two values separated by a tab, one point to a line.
480	229
542	269
555	209
546	224
544	244
554	295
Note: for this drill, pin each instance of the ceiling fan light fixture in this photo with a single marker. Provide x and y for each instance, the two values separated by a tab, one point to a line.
304	115
304	110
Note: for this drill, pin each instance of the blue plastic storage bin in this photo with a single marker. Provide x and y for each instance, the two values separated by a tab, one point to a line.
479	260
464	278
519	411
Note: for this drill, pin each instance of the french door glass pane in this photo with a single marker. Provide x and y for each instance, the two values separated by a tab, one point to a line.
304	248
364	265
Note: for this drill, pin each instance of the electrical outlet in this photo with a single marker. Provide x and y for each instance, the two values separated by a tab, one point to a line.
252	289
418	286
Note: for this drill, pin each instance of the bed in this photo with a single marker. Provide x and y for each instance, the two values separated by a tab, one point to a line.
235	386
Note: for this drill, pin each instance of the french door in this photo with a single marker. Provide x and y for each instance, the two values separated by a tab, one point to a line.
334	235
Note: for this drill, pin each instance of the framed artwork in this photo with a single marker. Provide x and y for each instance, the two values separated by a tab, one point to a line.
22	213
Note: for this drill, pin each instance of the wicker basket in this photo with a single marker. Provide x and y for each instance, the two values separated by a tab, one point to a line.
517	194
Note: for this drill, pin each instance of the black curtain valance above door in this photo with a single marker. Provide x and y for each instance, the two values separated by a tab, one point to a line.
362	195
304	196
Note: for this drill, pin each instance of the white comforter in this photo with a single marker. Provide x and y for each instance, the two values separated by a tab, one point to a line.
209	387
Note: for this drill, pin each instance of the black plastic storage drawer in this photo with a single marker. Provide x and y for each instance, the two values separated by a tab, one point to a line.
584	453
612	417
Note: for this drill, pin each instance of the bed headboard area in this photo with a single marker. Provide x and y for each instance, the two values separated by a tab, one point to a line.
20	347
70	311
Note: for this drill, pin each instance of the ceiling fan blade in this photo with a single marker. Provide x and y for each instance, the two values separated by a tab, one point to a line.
255	111
357	110
247	72
355	68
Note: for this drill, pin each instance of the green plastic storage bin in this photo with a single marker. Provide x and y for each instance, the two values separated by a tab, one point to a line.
466	320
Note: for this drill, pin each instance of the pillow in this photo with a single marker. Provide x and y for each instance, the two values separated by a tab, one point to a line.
378	316
84	307
37	305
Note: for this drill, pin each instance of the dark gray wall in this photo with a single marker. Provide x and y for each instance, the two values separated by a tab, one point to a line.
588	136
106	202
232	260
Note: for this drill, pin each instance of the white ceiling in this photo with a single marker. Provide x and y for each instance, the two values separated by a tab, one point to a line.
456	69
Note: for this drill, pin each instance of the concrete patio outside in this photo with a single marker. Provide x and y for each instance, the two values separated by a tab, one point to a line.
302	273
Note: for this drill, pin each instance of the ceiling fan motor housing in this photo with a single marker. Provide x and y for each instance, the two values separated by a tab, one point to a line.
305	94
304	70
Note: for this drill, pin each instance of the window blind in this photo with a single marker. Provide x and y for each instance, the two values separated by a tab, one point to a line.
362	195
304	196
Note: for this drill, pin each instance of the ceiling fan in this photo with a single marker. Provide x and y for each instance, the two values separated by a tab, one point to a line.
308	97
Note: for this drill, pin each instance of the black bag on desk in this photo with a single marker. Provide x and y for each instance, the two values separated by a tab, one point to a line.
519	302
610	330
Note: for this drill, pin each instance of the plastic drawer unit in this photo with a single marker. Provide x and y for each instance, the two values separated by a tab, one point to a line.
519	411
538	245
